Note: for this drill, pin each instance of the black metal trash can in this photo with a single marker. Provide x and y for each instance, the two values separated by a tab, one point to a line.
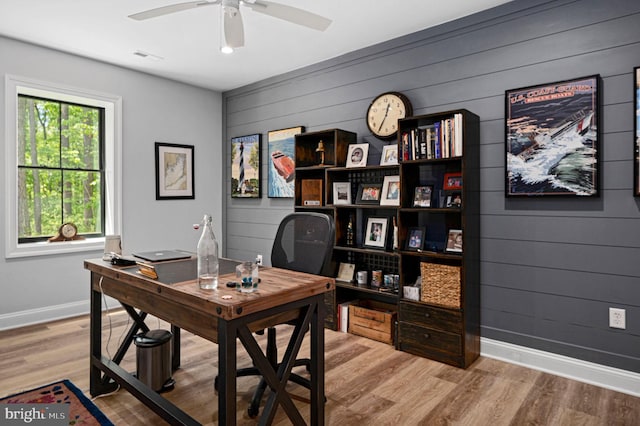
153	359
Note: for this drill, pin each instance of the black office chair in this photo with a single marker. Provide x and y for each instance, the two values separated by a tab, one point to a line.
303	243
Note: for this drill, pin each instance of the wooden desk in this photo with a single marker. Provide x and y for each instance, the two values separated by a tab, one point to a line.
282	296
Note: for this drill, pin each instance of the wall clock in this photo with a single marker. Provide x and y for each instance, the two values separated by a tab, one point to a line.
385	111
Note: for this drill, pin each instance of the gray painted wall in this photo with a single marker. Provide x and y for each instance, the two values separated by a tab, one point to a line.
550	268
154	109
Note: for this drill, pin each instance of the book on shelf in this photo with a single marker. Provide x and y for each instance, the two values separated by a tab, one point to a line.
440	139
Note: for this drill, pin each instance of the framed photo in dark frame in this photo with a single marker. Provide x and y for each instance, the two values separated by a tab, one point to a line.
376	233
174	171
552	139
422	196
369	193
246	159
636	139
415	239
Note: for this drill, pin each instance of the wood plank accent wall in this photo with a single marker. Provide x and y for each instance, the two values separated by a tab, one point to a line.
550	268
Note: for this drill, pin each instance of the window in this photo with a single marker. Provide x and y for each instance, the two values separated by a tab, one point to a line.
62	166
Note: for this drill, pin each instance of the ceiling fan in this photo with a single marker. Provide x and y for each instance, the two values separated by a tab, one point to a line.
233	27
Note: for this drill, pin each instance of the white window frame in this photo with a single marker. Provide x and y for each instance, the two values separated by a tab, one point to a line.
15	85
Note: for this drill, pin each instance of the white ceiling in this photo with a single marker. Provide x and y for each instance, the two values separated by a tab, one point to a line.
189	41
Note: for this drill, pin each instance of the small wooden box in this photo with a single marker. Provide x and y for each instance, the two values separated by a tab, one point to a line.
375	320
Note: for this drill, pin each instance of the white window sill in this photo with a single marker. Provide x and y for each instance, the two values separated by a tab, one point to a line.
45	248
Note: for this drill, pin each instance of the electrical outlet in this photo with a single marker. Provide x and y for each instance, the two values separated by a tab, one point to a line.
259	259
617	318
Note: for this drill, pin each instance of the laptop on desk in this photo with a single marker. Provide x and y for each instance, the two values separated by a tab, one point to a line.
162	255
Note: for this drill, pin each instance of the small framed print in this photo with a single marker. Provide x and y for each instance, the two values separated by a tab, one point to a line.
341	192
454	241
376	233
390	191
174	171
422	196
389	155
454	200
357	155
415	239
369	193
452	181
345	272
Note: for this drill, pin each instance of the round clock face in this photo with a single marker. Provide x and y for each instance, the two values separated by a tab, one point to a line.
385	111
68	230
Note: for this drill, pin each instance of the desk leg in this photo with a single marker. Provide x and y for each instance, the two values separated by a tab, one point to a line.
95	341
175	363
317	364
227	333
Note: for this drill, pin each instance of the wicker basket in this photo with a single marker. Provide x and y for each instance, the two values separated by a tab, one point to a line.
440	284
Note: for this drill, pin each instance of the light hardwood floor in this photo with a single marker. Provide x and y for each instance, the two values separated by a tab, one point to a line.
367	382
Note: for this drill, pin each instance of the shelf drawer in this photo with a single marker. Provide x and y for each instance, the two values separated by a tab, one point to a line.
427	316
374	320
428	339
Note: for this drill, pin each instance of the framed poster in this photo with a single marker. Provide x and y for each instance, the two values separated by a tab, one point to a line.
376	233
636	120
282	166
174	171
552	139
246	158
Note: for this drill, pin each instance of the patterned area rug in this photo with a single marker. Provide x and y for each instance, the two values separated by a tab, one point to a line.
82	410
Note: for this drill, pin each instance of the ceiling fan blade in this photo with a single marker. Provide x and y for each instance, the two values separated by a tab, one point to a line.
173	8
233	28
290	13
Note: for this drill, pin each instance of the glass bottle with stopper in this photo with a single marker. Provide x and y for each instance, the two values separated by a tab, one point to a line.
208	264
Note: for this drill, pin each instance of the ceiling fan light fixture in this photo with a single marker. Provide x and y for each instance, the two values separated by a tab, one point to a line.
227	50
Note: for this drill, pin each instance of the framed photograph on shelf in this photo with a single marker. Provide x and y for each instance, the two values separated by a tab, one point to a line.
422	196
341	192
454	241
345	272
282	166
452	181
454	200
636	139
415	239
246	158
174	171
389	155
376	233
369	193
357	155
390	191
552	139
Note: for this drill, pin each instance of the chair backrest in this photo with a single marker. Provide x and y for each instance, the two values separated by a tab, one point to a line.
304	242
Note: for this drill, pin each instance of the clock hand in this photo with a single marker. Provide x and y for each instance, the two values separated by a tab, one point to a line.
385	116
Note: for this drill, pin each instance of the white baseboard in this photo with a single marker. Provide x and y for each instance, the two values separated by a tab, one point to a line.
50	313
607	377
